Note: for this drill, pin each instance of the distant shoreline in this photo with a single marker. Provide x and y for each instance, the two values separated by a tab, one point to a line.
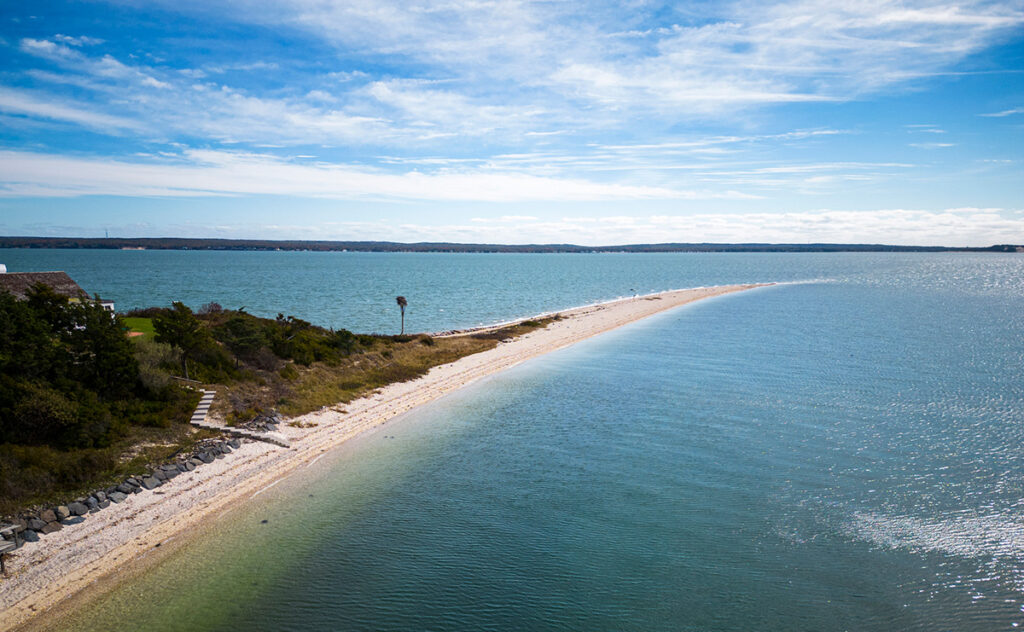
179	243
70	560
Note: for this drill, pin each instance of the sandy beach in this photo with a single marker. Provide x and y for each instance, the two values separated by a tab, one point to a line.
42	575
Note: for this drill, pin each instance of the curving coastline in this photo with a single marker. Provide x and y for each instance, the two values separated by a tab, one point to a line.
70	560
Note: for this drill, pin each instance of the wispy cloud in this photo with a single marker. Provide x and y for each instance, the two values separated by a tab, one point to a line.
943	227
740	104
81	40
957	227
208	173
38	106
1003	113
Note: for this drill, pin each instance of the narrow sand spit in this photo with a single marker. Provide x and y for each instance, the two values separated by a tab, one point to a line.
43	574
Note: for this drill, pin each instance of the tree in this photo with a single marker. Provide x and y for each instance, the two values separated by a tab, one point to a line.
401	305
180	328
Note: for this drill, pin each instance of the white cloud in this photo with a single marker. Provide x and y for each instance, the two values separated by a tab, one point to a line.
206	173
82	40
951	227
755	53
946	227
1009	112
29	104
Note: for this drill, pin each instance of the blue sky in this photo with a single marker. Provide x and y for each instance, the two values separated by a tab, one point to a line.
515	122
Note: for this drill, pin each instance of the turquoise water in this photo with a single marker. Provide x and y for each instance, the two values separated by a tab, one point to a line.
357	290
840	454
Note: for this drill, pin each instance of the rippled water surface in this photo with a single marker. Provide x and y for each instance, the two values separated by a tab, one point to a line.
839	454
356	290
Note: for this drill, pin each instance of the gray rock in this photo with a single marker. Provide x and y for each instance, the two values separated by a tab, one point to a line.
35	524
104	503
30	536
226	449
171	474
272	427
182	467
91	502
20	524
137	490
72	520
159	475
220	455
206	457
235	443
51	527
100	496
124	488
196	461
78	509
62	512
169	467
48	516
134	482
118	497
189	465
150	482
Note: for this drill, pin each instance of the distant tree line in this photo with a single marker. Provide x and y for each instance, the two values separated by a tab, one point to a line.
388	246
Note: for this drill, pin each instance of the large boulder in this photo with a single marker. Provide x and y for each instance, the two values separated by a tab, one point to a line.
30	536
51	527
150	483
62	512
118	496
48	516
189	465
100	496
206	457
35	524
235	443
72	520
159	475
171	474
103	504
78	509
124	488
196	461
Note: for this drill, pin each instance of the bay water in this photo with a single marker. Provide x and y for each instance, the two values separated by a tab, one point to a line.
842	451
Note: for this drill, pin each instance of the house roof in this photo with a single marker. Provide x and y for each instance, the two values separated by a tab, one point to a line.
19	283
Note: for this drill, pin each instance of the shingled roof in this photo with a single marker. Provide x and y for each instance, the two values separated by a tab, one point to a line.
19	283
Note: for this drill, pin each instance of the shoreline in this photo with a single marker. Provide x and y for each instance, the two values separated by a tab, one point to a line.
66	562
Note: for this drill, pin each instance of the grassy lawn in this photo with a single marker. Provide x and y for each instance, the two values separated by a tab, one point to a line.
141	325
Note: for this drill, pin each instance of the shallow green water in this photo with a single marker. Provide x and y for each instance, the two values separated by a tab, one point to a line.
835	455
